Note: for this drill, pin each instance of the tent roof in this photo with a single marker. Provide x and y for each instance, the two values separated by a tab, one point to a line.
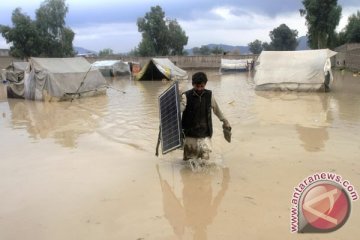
235	63
60	78
106	63
19	66
61	65
307	66
159	68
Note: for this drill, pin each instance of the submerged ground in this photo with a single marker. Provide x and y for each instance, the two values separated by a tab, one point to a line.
86	169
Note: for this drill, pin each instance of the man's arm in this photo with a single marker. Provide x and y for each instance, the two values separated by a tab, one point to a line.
219	113
182	102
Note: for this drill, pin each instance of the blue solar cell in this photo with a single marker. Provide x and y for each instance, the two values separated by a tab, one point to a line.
170	119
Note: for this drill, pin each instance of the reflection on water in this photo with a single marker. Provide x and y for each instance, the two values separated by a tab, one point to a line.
198	205
313	138
128	115
346	97
308	113
63	121
3	95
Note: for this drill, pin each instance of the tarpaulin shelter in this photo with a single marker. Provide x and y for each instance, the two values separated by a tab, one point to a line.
161	68
112	67
237	65
56	79
14	72
308	70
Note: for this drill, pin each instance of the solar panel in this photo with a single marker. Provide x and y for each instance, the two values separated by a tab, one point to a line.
170	119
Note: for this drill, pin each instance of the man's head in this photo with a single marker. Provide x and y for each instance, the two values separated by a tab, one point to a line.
199	81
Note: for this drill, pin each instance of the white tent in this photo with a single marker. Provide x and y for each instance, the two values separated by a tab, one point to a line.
308	70
50	79
161	68
14	72
112	67
240	65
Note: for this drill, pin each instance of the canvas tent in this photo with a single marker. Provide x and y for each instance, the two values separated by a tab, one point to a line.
14	72
112	67
161	68
54	79
240	65
308	70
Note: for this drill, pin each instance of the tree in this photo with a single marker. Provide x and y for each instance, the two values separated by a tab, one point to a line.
177	38
268	47
283	38
46	36
23	35
160	37
106	52
57	38
134	52
256	46
322	18
68	38
352	29
196	51
204	50
217	50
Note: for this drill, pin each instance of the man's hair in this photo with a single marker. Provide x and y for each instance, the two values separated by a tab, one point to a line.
199	77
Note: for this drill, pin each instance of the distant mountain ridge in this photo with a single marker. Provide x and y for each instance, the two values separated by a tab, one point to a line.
303	45
81	50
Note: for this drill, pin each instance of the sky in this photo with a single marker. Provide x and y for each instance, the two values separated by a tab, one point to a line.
112	23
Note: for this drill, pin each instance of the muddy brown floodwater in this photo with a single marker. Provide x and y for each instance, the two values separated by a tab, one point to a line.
86	169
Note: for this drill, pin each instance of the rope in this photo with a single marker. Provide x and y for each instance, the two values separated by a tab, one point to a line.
82	82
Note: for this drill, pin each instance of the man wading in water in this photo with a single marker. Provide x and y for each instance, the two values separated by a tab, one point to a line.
196	119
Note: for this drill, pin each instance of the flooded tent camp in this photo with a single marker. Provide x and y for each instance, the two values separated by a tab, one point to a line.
111	68
161	69
56	79
236	65
308	70
87	169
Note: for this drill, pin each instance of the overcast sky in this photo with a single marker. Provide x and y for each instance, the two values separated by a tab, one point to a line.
112	23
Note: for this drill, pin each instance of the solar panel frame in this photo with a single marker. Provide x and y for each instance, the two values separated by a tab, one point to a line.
170	119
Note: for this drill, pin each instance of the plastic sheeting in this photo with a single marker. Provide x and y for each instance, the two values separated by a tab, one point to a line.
294	70
235	64
161	68
112	67
50	79
15	72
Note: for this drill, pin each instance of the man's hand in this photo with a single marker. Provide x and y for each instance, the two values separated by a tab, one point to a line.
226	124
227	130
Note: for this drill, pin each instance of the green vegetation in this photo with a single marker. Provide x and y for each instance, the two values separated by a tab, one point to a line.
160	36
217	50
322	18
47	36
256	46
23	36
106	52
283	38
352	29
203	50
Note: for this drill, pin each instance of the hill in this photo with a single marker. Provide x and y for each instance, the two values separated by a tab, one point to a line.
245	49
303	45
229	48
82	51
226	48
